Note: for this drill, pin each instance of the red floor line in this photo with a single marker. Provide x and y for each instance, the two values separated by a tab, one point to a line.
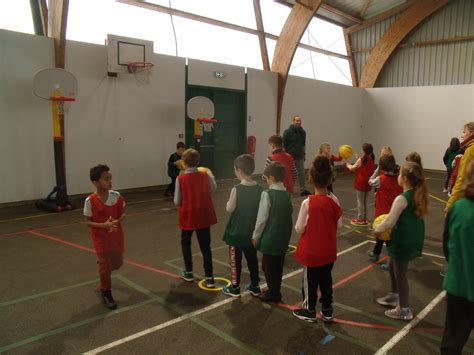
357	273
81	247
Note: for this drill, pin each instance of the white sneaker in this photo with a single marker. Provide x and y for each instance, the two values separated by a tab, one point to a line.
400	313
445	190
390	300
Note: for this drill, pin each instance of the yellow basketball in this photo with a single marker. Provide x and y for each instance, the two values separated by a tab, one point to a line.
385	235
180	164
345	151
202	169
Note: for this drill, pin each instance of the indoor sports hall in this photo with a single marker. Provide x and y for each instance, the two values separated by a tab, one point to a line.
142	85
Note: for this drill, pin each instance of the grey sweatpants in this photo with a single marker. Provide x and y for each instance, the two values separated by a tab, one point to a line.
362	204
399	280
299	164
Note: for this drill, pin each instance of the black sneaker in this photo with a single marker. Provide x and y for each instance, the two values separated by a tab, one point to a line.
326	314
187	276
304	314
269	297
209	282
108	300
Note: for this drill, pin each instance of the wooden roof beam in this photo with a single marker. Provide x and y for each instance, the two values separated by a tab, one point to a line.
364	8
341	13
57	24
295	25
392	38
261	35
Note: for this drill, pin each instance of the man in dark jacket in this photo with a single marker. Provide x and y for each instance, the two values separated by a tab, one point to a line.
294	141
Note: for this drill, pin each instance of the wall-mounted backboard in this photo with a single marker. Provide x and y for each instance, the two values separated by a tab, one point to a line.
124	50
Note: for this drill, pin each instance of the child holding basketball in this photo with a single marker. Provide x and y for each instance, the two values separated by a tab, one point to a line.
196	213
363	168
387	190
325	149
243	206
104	212
278	154
173	167
318	220
408	233
273	229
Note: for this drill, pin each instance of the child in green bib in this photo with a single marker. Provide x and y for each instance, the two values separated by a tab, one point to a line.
273	229
408	232
243	206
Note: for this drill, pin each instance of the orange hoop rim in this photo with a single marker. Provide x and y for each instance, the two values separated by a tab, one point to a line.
135	67
61	98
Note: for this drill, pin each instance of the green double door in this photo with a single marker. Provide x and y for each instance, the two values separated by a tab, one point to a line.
227	140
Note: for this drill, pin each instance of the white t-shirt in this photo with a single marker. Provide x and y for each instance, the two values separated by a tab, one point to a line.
111	200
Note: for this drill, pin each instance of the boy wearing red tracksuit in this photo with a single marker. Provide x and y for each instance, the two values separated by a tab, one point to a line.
387	190
196	213
104	212
278	154
318	220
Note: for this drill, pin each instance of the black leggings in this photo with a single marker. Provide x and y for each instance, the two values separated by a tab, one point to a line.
204	239
399	280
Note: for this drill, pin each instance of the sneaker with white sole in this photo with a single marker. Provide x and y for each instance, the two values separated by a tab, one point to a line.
187	275
304	314
390	300
400	313
327	314
231	290
209	282
254	290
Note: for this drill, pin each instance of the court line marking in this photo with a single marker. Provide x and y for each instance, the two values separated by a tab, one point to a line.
92	251
404	331
47	293
195	313
438	199
428	254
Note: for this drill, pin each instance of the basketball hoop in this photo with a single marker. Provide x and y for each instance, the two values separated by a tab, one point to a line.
61	103
138	67
141	71
207	124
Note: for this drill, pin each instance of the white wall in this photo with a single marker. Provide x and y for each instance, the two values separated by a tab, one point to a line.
330	113
202	73
26	144
422	119
261	111
131	126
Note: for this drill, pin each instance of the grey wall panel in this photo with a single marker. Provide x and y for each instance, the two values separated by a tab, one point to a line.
440	64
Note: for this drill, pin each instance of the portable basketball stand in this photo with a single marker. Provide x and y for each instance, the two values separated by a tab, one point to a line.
50	84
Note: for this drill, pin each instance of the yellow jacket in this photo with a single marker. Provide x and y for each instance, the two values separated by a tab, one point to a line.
458	191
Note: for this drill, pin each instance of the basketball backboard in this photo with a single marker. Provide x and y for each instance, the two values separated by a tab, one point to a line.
124	50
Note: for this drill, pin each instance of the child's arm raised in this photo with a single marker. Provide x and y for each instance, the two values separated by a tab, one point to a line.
262	217
399	204
355	166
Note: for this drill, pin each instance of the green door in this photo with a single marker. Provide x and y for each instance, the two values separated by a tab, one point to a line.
220	147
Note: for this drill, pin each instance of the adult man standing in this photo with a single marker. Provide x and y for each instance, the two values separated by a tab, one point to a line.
294	141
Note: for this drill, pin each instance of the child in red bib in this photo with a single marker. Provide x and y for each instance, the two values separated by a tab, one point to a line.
104	212
318	220
196	213
363	168
387	190
278	154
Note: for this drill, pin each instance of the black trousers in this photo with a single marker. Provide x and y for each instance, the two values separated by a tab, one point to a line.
272	266
378	246
314	277
171	187
458	324
235	260
204	239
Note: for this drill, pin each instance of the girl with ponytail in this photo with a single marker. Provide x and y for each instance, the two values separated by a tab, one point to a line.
408	233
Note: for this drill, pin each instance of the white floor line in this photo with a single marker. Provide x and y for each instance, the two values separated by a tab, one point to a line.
195	313
404	331
428	254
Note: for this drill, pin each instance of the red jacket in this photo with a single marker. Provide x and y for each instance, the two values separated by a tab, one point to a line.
318	245
105	241
363	174
196	210
287	160
386	193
